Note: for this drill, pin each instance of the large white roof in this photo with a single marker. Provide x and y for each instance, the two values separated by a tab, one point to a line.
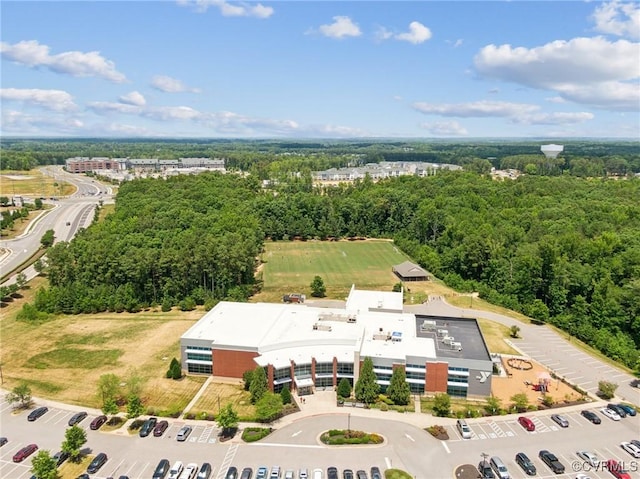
281	333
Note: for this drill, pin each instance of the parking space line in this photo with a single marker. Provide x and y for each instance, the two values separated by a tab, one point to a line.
63	417
113	471
52	415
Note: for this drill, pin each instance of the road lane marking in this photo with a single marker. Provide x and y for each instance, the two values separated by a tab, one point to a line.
446	448
409	437
296	433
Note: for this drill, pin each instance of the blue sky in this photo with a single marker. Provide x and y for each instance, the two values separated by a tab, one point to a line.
320	69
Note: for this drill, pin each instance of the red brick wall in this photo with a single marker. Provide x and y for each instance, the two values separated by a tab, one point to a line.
232	364
437	374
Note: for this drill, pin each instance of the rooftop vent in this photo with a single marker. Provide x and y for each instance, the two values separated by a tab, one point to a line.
321	327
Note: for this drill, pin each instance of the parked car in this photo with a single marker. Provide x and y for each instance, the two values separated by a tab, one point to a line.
484	468
317	474
275	472
560	420
617	469
303	474
36	413
591	416
97	463
618	410
360	474
289	474
161	469
77	417
247	473
332	473
176	469
631	448
232	473
630	410
527	423
25	452
3	441
347	474
589	457
552	461
525	463
60	457
98	422
262	472
160	428
635	441
190	471
148	426
205	471
375	473
84	476
610	413
183	433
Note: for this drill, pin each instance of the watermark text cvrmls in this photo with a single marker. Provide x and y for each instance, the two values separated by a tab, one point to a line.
585	466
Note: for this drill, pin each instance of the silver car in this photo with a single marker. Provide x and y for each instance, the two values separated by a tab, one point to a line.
183	433
560	420
589	457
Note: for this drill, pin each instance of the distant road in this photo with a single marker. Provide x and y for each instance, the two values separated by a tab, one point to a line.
66	217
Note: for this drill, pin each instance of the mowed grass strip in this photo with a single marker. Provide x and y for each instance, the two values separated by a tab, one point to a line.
291	266
33	183
218	395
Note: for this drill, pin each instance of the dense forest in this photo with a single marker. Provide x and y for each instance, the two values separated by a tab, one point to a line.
267	159
560	249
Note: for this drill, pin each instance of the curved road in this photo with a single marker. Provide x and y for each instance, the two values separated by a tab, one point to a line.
76	210
554	350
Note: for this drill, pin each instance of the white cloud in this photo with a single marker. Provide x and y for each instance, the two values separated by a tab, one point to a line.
134	98
171	85
382	34
55	100
555	99
618	18
74	63
228	9
476	109
22	123
593	71
105	107
168	113
341	27
397	97
417	33
457	43
558	118
445	128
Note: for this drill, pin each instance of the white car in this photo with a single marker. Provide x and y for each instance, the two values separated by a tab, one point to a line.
582	476
589	457
631	448
610	413
190	471
175	470
317	474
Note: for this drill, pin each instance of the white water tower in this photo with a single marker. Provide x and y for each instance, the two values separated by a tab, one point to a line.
551	151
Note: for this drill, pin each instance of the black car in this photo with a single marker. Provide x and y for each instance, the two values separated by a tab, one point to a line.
204	472
617	409
247	473
375	473
485	470
3	441
347	474
36	413
552	461
97	463
360	474
60	457
160	428
525	463
591	416
148	426
232	473
161	469
332	473
77	417
84	476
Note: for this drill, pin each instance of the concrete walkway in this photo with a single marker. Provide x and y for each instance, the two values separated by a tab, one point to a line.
200	392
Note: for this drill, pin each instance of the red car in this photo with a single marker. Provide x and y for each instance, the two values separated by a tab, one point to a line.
527	423
25	452
160	428
617	470
98	422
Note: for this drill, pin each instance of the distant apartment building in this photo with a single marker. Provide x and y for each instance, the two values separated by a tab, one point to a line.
84	165
384	169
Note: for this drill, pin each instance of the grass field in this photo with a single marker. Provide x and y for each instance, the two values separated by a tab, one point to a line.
289	267
33	183
218	395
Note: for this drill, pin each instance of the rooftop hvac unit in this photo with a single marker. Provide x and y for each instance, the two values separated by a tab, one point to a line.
428	325
448	340
456	345
443	332
321	327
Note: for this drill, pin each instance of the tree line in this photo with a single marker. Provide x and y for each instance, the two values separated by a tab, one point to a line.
559	249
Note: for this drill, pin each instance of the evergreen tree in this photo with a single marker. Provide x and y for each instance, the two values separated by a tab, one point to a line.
318	289
344	388
366	389
259	384
442	405
398	390
285	394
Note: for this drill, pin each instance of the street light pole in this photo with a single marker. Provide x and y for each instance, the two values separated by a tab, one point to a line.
349	425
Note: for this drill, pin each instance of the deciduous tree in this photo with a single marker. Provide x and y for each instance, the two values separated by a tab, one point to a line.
74	438
43	466
20	394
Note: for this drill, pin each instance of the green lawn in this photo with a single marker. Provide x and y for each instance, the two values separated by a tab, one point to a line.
289	267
